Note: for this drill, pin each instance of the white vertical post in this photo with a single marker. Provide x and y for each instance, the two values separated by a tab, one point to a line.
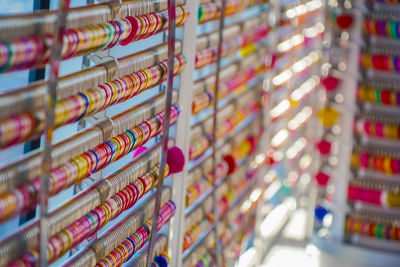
267	92
182	135
342	173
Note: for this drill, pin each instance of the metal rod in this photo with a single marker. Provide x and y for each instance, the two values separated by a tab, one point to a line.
51	98
218	250
165	136
176	231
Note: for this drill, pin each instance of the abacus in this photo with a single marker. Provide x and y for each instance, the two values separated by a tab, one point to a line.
151	132
105	145
294	80
377	227
359	143
32	51
103	247
383	95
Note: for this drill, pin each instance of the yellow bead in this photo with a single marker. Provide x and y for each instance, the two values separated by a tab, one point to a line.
392	132
328	116
355	162
386	165
393	199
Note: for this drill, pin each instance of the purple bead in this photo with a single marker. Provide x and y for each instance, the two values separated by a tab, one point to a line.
387	232
397	94
381	27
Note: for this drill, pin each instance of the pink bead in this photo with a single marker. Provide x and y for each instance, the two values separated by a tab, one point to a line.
371	196
366	127
175	159
353	193
364	159
379	129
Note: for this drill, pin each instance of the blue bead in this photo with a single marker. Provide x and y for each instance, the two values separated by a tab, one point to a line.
162	261
320	213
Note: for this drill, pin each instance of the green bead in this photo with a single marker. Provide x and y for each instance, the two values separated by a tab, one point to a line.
200	13
379	230
378	95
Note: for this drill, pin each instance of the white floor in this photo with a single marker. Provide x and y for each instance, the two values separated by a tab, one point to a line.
291	250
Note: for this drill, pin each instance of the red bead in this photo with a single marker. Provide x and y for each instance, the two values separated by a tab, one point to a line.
330	83
231	162
322	179
324	147
385	97
344	21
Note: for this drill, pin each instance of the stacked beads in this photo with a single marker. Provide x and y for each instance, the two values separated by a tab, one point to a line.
378	129
239	80
224	204
226	235
205	57
233	228
384	28
75	170
228	198
201	144
379	96
385	1
380	62
195	190
114	92
378	197
195	231
204	261
231	122
371	196
137	240
94	220
34	51
202	101
209	55
378	230
208	12
380	163
20	127
243	149
211	11
236	83
221	171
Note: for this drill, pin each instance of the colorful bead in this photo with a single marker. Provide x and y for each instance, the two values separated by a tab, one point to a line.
79	167
33	51
138	239
377	129
93	221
